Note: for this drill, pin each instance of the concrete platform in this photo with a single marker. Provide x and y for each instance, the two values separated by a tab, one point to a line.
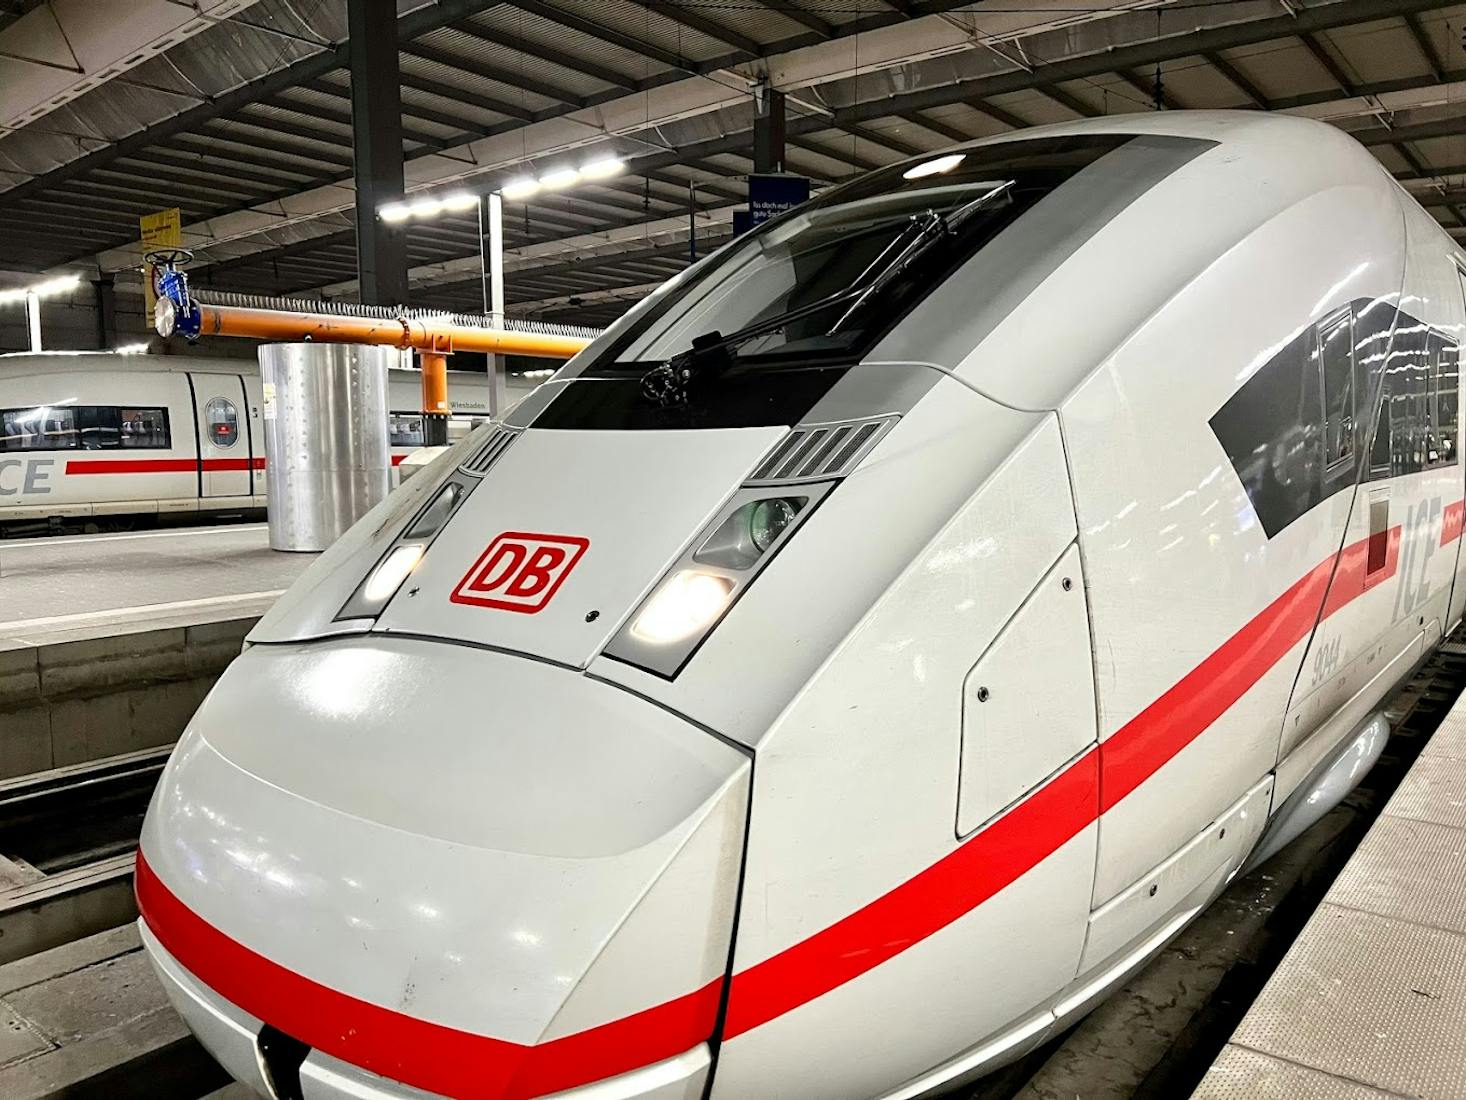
1370	1002
57	589
91	1020
108	643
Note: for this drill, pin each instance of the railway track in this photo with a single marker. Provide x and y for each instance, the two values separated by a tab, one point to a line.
67	839
1155	1038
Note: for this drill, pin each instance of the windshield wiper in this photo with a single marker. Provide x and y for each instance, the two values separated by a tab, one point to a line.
712	353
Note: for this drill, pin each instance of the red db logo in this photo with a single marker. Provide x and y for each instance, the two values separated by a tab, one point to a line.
519	571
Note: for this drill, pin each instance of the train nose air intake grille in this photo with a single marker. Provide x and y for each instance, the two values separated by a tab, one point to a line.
497	443
817	451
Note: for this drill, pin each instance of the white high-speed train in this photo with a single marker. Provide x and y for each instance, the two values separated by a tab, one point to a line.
938	596
87	435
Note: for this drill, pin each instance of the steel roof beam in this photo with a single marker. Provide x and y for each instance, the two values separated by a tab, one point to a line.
470	67
1068	101
705	26
1427	48
550	54
1236	79
409	26
1327	63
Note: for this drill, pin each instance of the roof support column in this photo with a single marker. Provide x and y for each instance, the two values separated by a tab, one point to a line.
376	140
105	303
768	130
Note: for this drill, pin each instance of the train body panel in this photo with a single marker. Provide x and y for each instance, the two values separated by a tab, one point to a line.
1032	599
128	435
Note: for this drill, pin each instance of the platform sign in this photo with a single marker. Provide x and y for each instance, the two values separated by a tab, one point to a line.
163	229
768	197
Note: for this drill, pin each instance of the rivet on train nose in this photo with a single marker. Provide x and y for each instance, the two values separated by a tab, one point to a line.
982	695
592	616
1067	583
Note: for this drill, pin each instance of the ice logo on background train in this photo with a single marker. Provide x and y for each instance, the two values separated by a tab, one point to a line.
28	476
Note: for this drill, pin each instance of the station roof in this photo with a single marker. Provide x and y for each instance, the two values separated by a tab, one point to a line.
239	113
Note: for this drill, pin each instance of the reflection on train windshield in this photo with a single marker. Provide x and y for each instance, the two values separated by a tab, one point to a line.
836	273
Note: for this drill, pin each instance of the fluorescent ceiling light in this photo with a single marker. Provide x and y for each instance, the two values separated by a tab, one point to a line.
425	208
45	289
934	167
560	177
394	212
600	169
460	200
519	189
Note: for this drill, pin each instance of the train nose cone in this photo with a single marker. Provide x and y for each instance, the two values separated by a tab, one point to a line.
469	872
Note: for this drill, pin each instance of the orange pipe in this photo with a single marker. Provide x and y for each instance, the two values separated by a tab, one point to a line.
434	382
423	334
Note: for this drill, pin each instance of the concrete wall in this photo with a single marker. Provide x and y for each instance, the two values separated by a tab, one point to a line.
75	701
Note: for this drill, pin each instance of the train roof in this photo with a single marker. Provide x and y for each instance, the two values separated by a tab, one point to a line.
1120	262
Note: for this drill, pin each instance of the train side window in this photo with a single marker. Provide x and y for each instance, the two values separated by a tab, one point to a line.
1381	452
40	428
1336	364
1447	384
406	430
222	421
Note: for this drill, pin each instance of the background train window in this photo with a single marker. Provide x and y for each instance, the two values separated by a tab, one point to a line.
100	427
40	428
223	422
405	429
1336	362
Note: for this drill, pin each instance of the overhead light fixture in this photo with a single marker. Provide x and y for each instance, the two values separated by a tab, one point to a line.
602	168
459	201
394	212
934	167
425	207
520	188
130	349
560	177
45	289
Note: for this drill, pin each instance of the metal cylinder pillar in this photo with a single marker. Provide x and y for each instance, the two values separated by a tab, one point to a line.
326	445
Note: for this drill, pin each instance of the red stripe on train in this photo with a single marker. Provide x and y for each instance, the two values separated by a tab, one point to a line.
1035	828
160	465
445	1060
418	1052
170	465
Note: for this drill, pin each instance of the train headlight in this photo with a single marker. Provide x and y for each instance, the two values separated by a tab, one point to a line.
689	602
395	568
711	576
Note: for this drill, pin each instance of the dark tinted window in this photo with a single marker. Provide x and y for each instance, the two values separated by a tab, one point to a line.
84	427
1448	401
885	240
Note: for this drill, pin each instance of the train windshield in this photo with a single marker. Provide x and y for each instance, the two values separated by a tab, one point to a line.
831	276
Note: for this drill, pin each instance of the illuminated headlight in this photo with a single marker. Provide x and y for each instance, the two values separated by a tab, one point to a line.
388	576
711	576
689	602
404	556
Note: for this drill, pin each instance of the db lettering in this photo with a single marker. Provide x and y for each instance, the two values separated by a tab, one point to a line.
520	571
31	476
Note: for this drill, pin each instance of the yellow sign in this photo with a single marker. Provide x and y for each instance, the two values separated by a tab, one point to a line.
161	230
